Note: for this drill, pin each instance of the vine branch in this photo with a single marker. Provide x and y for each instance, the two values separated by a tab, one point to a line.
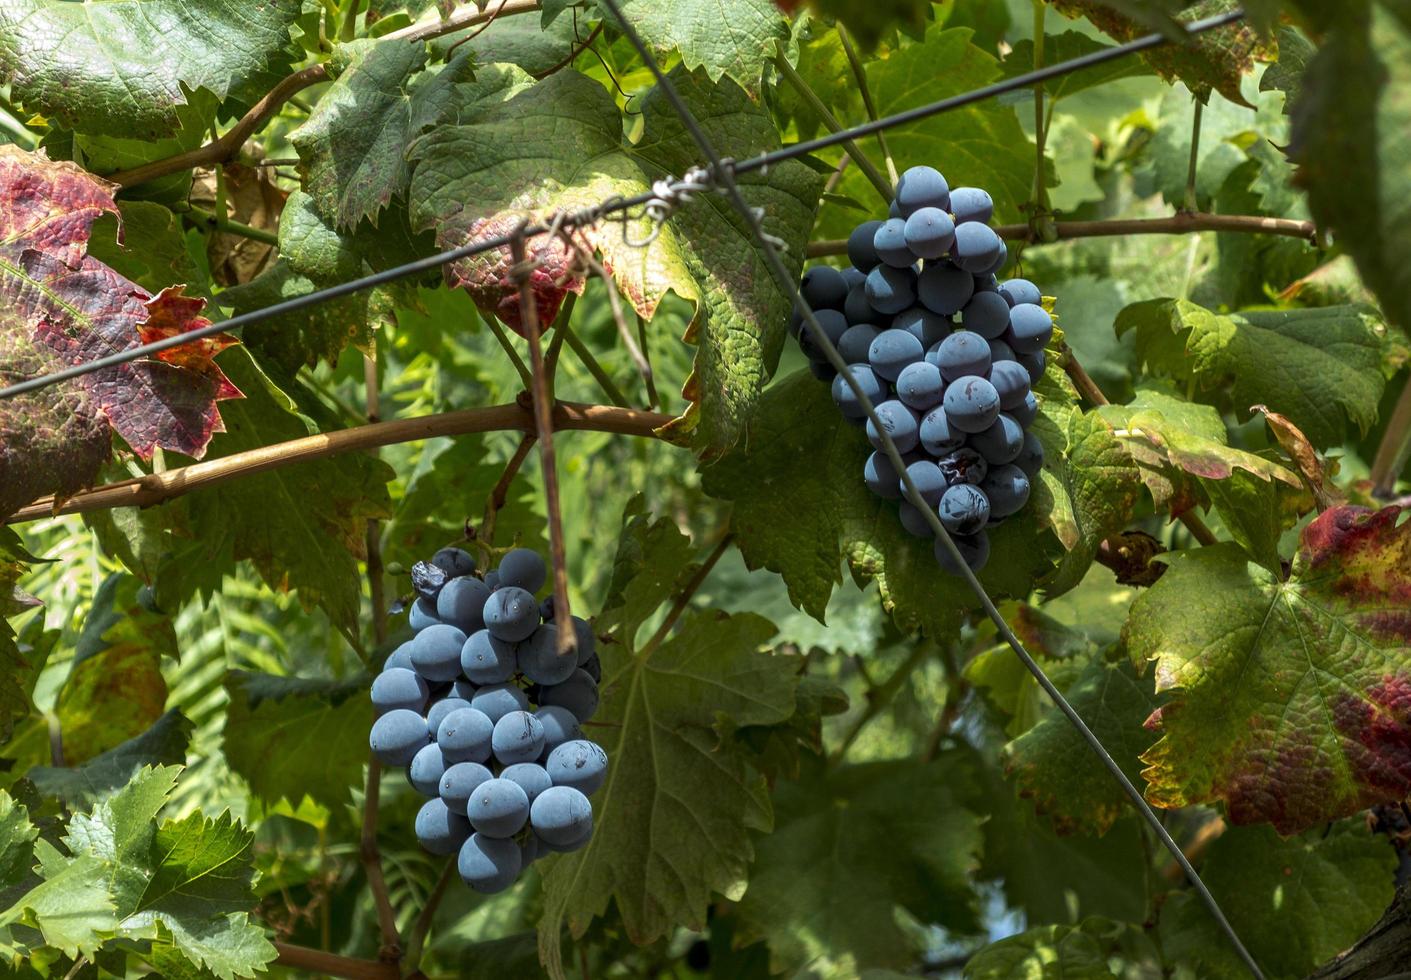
683	598
318	961
372	864
859	73
158	487
786	70
1176	224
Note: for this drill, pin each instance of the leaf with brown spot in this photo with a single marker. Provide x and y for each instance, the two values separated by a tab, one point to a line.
58	307
1316	471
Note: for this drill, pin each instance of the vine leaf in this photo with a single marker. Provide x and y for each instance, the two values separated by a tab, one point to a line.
1321	367
1289	698
164	744
851	846
276	722
722	37
126	68
672	822
558	145
1215	60
59	306
1085	951
869	20
1066	47
1296	903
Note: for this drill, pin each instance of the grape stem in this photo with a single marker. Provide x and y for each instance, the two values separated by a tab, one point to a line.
372	864
786	71
1176	224
486	535
878	698
683	598
376	589
318	961
155	488
860	75
1395	447
422	926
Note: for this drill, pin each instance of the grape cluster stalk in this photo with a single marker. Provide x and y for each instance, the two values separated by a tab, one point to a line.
486	716
946	352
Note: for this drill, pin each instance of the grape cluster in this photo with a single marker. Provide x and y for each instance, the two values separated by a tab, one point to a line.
945	352
485	714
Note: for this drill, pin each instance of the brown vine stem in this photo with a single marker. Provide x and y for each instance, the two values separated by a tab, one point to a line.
499	494
156	488
543	391
1176	224
428	912
331	964
372	865
1394	448
683	599
228	145
878	697
376	587
578	49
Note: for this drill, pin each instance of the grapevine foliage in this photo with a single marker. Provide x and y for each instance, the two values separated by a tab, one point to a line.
250	729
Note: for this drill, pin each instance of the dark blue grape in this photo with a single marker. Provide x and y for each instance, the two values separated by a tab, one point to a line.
399	688
822	370
1018	291
1011	381
511	614
585	644
581	764
890	243
561	816
539	659
1030	328
1027	411
795	323
929	233
464	735
823	288
962	353
1031	459
436	652
459	781
855	307
971	403
964	509
488	864
987	314
518	737
528	850
975	550
861	252
427	580
1001	443
593	668
881	476
439	830
976	246
921	187
893	209
559	726
927	327
1001	260
426	769
422	614
579	694
463	689
462	604
867	379
944	289
913	522
454	562
498	808
486	660
1000	351
440	709
523	568
890	290
920	386
901	423
930	481
400	657
397	736
495	701
892	351
528	776
1033	363
854	277
937	437
971	204
965	465
492	579
1008	489
834	325
855	343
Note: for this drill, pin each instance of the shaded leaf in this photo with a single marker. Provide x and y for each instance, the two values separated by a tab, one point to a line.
1058	952
1066	47
870	20
164	744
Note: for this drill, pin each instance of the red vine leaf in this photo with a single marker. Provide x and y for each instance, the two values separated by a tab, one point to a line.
60	306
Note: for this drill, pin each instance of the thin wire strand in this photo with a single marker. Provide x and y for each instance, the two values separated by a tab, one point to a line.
913	495
590	216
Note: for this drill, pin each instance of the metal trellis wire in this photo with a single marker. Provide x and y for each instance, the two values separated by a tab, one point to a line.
776	267
657	203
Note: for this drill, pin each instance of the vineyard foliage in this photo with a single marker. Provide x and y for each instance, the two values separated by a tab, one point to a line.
825	760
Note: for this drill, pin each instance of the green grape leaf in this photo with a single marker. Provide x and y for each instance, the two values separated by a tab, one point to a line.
723	37
792	522
672	822
70	907
869	20
305	527
1296	903
163	257
852	845
1352	164
1321	367
276	724
164	744
559	144
980	145
1288	696
1053	765
17	836
1066	47
1215	60
1008	685
1057	952
124	68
